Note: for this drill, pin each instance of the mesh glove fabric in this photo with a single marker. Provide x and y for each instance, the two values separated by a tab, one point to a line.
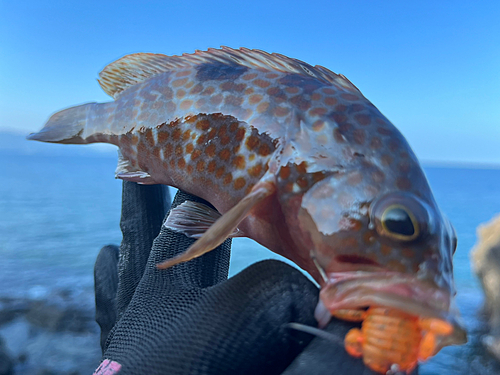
190	319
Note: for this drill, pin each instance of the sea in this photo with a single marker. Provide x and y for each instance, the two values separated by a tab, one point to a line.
59	208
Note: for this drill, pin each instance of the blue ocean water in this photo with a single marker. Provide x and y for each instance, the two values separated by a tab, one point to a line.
57	212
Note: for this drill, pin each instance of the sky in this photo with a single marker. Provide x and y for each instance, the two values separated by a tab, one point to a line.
431	67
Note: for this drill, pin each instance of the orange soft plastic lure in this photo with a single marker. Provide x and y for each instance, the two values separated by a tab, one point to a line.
390	338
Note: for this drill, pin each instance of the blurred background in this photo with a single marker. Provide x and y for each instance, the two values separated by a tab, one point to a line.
431	67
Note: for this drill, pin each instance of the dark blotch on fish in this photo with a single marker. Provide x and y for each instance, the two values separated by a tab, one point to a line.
307	84
219	71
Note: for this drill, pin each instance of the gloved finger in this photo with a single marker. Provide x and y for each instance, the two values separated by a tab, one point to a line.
105	287
143	210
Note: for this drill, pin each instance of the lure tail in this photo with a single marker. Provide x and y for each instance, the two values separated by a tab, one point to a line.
66	126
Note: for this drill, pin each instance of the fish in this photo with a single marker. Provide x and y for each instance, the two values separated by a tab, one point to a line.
290	155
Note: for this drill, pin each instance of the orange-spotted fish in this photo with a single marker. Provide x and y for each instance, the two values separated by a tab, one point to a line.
292	156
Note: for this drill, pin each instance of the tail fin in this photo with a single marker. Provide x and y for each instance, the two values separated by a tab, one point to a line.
66	126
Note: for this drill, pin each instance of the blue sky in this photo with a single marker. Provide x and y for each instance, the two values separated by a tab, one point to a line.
432	67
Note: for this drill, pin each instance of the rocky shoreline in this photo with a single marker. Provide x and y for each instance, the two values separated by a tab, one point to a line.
53	335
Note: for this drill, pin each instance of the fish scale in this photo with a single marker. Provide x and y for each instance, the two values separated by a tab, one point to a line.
292	156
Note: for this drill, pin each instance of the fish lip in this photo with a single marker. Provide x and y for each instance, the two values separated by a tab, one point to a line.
358	289
348	290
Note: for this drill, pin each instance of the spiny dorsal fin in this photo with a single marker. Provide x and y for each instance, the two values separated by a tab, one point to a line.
138	67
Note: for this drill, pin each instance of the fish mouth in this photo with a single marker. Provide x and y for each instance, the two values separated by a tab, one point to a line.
356	290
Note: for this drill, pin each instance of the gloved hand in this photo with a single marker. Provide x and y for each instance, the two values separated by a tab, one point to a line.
190	319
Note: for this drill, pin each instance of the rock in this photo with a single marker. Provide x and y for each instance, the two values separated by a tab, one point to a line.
11	308
58	318
6	362
486	263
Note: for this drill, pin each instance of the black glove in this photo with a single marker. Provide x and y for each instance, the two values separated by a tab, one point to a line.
190	319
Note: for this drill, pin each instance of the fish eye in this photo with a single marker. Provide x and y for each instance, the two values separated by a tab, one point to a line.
399	223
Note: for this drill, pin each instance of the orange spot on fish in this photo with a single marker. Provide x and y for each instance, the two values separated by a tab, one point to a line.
180	94
254	99
203	124
262	107
196	154
302	182
350	97
183	73
292	90
403	183
284	172
248	77
148	135
179	82
251	157
252	142
227	179
362	119
408	253
186	135
196	89
210	150
227	85
225	154
255	171
168	150
316	96
395	265
220	171
186	104
201	139
181	163
318	125
368	238
200	166
330	101
176	134
302	168
189	169
329	91
385	250
386	159
240	134
281	111
264	150
261	83
318	111
178	150
359	136
239	162
271	75
211	166
239	183
233	127
208	91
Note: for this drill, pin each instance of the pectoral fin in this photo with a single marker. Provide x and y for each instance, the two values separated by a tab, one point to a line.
224	226
193	219
127	172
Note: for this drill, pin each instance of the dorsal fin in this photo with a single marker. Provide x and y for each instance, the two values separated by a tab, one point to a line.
138	67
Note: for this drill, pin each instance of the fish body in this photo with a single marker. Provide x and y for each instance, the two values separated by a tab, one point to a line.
292	155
